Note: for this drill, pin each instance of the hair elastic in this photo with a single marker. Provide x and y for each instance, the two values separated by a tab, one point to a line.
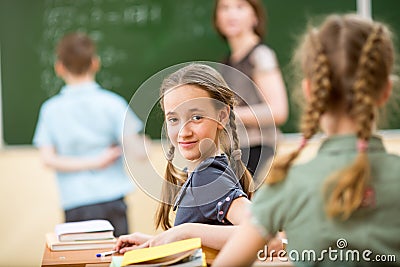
237	154
362	145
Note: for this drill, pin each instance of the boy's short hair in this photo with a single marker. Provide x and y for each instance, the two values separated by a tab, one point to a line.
76	51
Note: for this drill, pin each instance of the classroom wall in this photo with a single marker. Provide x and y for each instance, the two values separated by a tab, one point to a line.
29	204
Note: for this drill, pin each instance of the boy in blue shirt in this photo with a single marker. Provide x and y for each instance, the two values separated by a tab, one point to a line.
79	133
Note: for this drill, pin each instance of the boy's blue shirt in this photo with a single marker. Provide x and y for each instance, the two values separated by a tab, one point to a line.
82	121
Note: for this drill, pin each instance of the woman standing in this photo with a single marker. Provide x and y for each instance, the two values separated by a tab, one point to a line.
242	24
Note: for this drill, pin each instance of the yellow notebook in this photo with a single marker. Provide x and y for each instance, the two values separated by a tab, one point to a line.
158	252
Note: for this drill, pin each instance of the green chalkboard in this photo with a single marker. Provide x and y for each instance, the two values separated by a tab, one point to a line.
288	19
136	39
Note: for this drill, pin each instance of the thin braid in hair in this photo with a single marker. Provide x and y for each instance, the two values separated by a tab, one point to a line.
320	92
174	178
170	153
236	162
350	184
363	109
320	89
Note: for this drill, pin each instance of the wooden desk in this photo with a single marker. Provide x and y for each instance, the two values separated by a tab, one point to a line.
75	258
87	258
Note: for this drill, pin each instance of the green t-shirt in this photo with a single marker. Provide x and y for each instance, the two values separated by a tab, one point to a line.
296	206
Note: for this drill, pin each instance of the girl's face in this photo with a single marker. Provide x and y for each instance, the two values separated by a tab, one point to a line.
192	121
235	17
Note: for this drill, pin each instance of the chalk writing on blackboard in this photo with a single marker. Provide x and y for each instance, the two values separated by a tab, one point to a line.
92	17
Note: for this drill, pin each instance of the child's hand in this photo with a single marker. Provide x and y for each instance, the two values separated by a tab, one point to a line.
173	234
277	243
108	157
130	242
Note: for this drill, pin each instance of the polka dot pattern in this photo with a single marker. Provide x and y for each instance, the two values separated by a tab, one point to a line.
224	204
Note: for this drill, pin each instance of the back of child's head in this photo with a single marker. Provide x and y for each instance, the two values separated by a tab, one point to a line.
347	61
76	52
210	80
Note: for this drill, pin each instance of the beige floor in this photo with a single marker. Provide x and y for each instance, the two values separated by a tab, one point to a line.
29	202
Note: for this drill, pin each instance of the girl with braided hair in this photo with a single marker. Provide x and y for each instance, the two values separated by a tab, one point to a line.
350	189
210	196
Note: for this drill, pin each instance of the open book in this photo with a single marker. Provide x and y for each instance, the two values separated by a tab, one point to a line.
84	230
180	253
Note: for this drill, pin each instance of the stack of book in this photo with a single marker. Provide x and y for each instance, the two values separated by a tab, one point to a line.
93	234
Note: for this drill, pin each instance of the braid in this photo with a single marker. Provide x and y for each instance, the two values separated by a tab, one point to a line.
363	109
232	124
174	178
320	93
170	154
348	186
237	164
